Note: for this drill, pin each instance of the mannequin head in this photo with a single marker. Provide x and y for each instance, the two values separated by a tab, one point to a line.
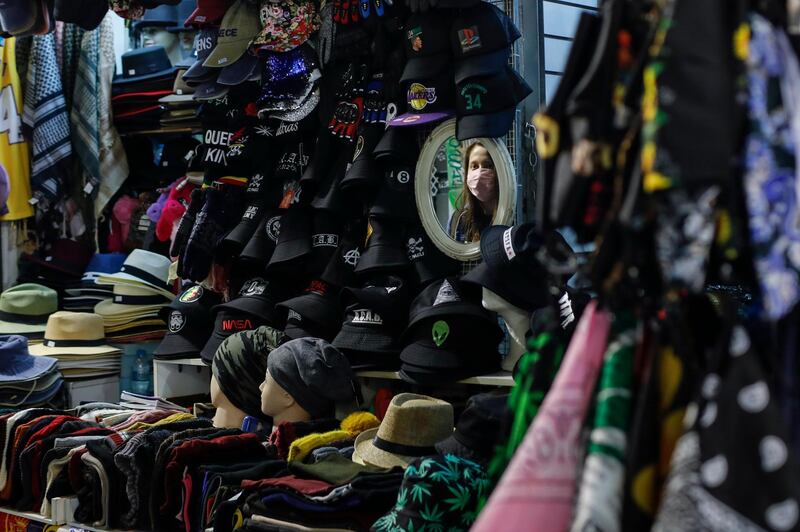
518	322
151	36
227	415
279	404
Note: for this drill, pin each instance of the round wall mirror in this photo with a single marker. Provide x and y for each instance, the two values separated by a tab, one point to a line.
461	188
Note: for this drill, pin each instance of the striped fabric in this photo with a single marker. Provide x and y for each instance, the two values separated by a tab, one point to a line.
95	138
45	119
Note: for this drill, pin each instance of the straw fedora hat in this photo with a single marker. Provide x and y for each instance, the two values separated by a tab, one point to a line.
131	301
73	333
24	309
412	426
144	269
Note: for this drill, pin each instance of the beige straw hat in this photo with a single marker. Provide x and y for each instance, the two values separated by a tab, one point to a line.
73	333
412	426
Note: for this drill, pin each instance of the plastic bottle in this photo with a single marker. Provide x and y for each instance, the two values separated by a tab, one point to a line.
141	374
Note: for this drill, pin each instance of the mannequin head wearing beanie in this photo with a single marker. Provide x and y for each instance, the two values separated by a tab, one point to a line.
305	379
237	367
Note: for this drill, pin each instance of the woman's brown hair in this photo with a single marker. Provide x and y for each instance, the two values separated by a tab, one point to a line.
471	217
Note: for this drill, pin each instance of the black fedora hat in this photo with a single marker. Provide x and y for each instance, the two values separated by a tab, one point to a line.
479	428
145	64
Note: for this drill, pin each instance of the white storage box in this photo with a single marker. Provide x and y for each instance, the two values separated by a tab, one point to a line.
104	389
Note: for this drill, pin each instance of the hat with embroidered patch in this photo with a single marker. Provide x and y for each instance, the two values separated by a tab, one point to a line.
207	13
238	27
190	323
315	313
427	261
413	424
396	199
447	297
145	64
486	106
364	172
294	239
258	297
226	323
262	244
481	39
204	44
340	270
244	69
384	250
427	47
428	100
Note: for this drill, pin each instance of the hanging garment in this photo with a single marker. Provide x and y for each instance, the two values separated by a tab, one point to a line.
539	484
13	147
599	505
46	119
771	177
95	138
733	469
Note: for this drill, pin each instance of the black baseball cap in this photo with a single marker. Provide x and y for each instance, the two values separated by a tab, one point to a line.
294	239
427	261
448	297
486	106
262	244
428	100
399	144
427	46
340	270
396	199
190	322
258	297
480	39
210	90
252	216
511	266
363	172
226	323
384	249
315	313
204	44
244	69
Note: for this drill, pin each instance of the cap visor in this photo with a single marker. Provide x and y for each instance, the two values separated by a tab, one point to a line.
197	72
176	344
210	90
423	68
226	54
492	125
412	119
238	72
381	258
363	340
482	65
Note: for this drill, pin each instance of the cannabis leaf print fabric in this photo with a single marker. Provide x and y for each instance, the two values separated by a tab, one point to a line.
438	494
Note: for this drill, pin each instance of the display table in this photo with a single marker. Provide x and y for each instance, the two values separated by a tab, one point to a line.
50	525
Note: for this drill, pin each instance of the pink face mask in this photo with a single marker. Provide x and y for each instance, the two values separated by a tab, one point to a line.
482	182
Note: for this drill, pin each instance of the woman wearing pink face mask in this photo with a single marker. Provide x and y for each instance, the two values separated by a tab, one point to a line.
477	203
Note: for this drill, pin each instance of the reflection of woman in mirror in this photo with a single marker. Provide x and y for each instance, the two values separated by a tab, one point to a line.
477	203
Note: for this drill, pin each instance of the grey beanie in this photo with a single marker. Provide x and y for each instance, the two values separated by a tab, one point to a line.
314	373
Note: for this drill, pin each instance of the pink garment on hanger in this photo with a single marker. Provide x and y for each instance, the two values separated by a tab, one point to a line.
538	488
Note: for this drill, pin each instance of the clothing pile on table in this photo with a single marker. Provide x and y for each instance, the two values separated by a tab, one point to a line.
77	340
25	380
141	289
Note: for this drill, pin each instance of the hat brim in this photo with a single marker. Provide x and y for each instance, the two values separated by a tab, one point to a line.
363	173
177	98
226	53
198	73
371	455
240	71
452	446
490	125
426	356
127	279
210	90
9	327
262	308
425	68
111	309
295	332
290	250
45	351
482	65
205	16
176	344
381	257
145	77
26	368
364	340
419	119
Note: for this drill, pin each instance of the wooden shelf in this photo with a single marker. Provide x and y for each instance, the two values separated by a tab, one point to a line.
502	378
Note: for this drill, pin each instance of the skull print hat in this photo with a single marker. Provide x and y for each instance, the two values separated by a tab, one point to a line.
189	322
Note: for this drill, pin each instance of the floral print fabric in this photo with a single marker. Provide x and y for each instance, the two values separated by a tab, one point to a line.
771	179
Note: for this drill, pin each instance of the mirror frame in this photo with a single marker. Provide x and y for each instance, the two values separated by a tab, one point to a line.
506	180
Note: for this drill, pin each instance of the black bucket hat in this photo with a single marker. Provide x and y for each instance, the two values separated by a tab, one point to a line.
364	172
315	313
448	297
396	199
375	318
340	270
427	46
511	267
190	322
384	249
398	143
252	216
226	323
481	39
262	244
486	106
427	261
294	239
